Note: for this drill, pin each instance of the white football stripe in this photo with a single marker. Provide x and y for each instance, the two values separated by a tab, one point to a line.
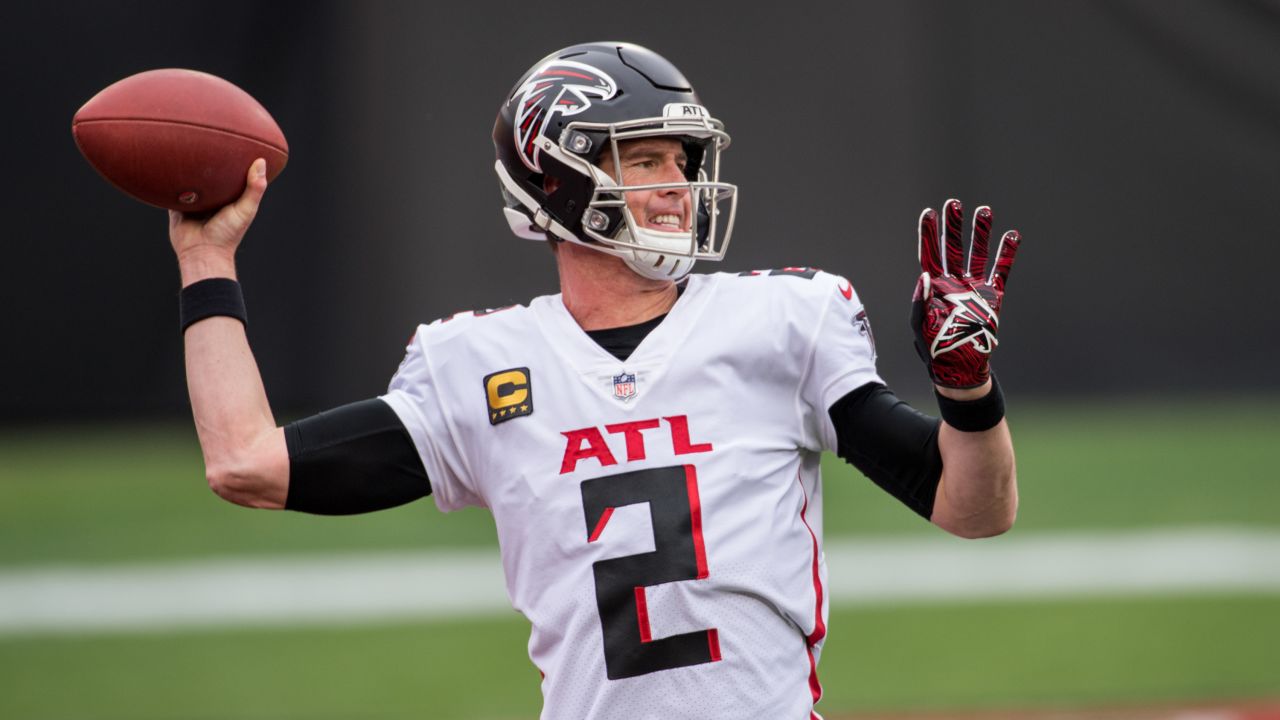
300	590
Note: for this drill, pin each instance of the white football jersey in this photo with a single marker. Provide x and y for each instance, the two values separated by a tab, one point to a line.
660	518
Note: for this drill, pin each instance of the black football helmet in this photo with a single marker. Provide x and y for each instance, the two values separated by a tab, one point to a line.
581	102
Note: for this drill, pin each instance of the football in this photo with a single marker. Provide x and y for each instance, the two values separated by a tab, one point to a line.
178	139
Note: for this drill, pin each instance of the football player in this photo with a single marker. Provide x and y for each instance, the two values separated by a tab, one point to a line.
648	440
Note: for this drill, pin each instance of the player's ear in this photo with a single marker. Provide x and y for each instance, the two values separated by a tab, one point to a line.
550	184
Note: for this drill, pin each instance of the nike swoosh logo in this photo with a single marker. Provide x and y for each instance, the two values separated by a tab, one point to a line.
847	290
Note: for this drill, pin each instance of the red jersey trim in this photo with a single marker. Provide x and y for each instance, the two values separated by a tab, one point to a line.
604	520
695	515
819	627
642	615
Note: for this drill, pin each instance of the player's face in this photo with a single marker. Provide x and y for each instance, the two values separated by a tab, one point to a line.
649	161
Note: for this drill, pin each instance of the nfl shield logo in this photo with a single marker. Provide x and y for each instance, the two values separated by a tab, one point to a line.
624	386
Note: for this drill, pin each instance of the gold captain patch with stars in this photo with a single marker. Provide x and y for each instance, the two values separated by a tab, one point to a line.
509	393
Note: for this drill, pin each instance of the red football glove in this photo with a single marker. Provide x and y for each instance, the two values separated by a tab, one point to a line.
955	311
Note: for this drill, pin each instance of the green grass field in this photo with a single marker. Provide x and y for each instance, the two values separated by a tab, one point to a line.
94	496
952	657
98	497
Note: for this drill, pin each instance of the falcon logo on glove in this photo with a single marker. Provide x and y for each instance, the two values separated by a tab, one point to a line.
955	311
971	322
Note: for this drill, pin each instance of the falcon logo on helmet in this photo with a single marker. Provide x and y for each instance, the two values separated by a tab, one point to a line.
560	87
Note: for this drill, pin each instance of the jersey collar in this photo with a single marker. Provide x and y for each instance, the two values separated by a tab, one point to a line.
594	365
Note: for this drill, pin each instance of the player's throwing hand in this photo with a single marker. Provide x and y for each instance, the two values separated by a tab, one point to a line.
222	232
955	311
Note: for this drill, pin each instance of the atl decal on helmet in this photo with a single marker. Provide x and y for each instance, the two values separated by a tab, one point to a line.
560	87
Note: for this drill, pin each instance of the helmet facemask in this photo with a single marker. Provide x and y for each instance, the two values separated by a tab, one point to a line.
598	206
653	253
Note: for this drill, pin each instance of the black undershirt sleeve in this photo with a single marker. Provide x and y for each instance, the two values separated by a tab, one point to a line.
353	459
890	442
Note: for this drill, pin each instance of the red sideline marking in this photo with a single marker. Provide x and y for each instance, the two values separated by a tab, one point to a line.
713	644
604	520
642	615
695	514
819	627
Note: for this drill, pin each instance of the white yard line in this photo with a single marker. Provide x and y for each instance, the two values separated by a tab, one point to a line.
298	590
1066	565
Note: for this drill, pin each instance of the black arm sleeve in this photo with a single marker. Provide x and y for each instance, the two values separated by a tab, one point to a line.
890	442
353	459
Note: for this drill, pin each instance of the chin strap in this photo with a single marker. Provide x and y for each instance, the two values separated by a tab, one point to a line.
653	263
663	268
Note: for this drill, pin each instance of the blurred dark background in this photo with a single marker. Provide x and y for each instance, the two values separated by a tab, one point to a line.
1136	145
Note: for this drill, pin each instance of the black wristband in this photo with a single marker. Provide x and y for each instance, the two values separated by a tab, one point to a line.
209	298
973	415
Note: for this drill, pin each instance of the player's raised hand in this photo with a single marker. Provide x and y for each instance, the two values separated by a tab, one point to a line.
219	235
955	311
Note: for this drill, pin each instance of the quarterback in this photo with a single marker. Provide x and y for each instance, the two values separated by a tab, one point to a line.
648	439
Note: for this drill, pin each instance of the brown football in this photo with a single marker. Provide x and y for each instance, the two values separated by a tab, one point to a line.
178	139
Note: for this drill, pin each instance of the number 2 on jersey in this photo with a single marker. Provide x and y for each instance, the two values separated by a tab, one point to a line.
672	494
